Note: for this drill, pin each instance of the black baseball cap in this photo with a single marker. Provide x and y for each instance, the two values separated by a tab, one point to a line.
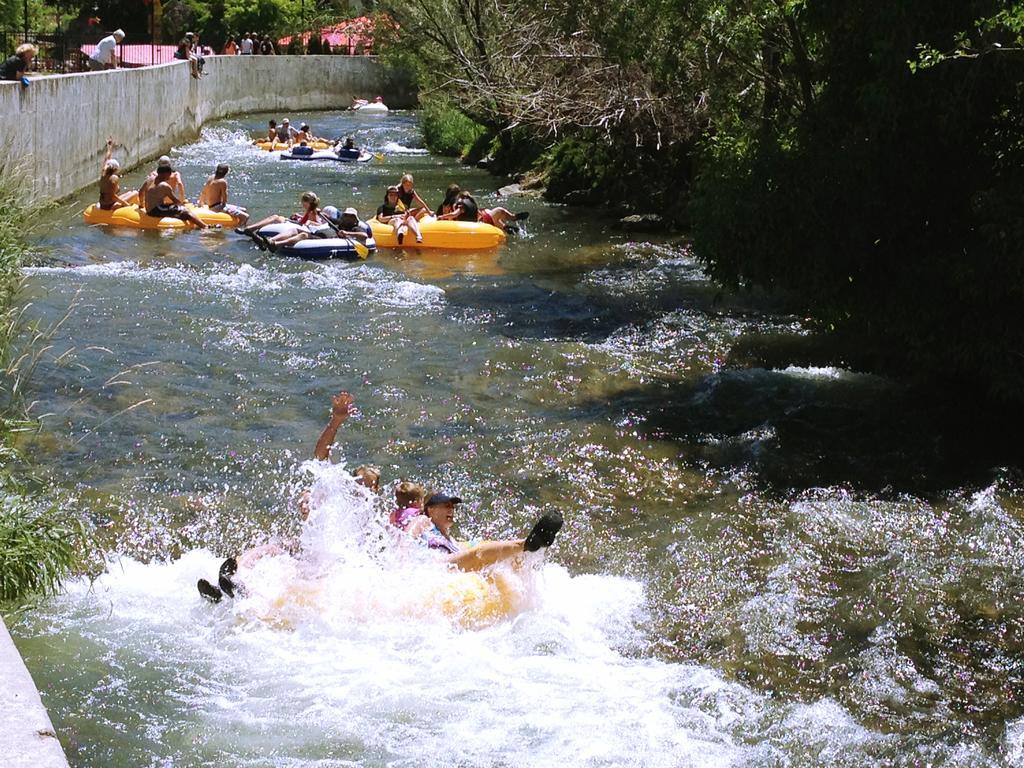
441	498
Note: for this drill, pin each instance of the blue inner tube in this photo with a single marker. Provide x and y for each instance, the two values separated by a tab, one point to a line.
328	154
348	154
317	247
299	151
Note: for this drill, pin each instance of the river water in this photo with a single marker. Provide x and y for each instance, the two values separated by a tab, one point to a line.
761	565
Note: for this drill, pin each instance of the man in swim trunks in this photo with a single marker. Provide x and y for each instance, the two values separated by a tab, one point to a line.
158	194
215	195
177	185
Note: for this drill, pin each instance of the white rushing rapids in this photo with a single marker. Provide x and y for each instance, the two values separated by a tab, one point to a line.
330	653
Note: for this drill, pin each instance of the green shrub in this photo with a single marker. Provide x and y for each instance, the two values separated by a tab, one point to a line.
576	166
39	547
446	130
515	150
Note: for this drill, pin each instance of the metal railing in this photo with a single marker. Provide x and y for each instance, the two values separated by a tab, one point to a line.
63	52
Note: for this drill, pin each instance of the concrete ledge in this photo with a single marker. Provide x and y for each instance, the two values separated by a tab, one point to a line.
57	127
27	738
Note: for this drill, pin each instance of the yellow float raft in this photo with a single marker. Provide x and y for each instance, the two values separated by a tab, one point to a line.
469	600
134	217
277	146
447	235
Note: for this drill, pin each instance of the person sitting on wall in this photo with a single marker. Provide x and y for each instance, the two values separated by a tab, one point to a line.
185	53
16	67
215	195
110	182
158	195
196	51
105	55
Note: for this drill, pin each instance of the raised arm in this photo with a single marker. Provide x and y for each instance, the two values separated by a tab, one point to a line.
341	408
110	154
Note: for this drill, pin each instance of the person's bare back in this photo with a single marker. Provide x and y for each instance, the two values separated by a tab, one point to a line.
108	190
215	192
157	194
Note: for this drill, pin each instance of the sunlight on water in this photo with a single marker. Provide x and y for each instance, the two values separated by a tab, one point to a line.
762	565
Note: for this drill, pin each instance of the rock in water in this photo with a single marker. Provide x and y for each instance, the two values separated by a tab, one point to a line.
642	222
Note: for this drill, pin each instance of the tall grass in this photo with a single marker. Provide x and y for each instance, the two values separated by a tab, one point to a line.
40	545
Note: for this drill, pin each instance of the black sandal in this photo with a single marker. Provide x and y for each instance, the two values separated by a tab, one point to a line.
544	532
210	592
227	570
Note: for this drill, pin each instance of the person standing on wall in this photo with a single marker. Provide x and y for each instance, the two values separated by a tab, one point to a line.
105	55
246	45
267	46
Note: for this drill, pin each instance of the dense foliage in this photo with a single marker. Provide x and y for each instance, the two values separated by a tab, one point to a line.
862	160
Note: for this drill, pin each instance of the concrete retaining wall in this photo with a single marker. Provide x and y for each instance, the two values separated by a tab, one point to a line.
58	126
27	739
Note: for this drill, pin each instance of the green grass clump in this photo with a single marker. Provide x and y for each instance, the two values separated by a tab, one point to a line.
446	130
39	547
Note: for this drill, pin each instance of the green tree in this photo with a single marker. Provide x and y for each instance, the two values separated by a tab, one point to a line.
273	17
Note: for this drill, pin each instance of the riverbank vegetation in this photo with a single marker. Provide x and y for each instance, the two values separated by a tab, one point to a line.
40	545
862	161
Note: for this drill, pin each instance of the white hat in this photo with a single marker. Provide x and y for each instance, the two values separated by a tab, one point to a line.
113	164
163	162
330	212
285	120
119	33
351	212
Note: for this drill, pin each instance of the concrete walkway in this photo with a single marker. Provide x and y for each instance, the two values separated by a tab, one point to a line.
26	733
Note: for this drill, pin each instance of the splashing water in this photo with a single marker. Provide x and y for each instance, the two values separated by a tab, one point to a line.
764	563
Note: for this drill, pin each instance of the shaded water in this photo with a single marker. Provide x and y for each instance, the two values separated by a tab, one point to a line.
759	567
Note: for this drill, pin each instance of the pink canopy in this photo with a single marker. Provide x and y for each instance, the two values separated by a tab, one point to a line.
351	34
139	55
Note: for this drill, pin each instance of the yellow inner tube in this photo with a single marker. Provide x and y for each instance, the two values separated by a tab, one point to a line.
448	235
469	600
132	216
276	146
